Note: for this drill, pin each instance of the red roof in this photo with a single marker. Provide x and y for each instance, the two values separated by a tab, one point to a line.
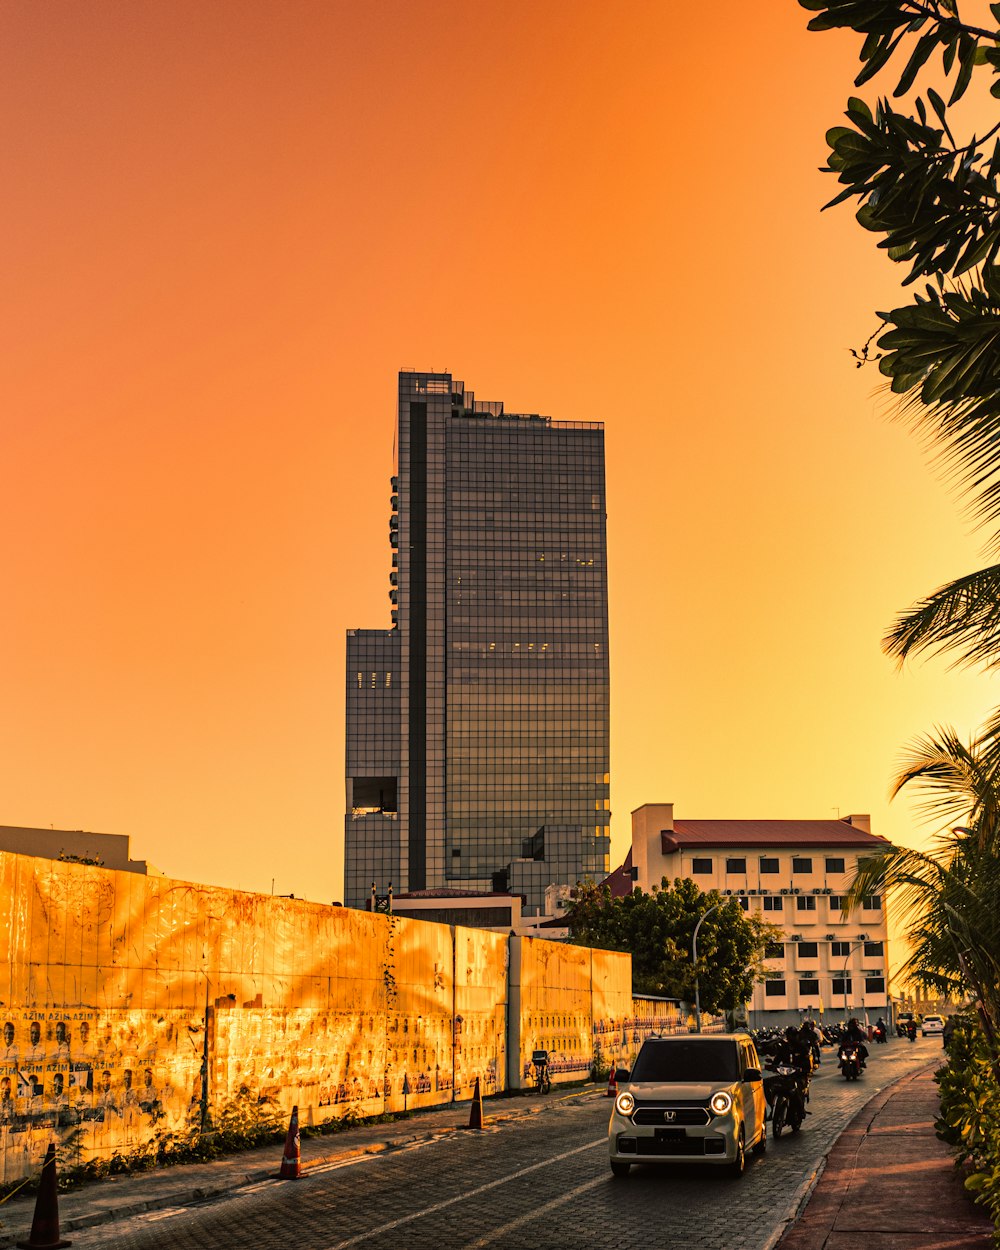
620	881
768	833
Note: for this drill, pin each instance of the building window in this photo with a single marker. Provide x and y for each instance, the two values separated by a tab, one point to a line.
774	950
805	902
801	864
809	950
873	902
841	985
744	902
773	902
840	950
874	985
701	866
808	989
769	863
873	948
836	902
774	989
834	865
736	865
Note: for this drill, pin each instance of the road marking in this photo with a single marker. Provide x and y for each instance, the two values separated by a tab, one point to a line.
471	1193
535	1214
334	1165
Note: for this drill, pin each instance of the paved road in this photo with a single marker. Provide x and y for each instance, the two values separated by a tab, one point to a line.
542	1183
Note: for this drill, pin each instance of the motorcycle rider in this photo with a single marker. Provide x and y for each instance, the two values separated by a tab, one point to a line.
811	1037
854	1034
793	1052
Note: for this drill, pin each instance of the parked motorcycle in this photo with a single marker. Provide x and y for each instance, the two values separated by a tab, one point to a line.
540	1062
849	1059
787	1097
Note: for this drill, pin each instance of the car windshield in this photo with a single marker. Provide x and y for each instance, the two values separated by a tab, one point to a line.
679	1059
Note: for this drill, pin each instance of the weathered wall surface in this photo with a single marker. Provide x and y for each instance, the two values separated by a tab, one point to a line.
132	1007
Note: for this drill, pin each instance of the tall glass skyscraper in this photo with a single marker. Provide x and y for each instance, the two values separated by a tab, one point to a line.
477	727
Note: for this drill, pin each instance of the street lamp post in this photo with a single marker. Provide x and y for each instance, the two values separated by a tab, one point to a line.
843	976
694	958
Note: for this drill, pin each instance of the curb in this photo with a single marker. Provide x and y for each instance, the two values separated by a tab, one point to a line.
800	1199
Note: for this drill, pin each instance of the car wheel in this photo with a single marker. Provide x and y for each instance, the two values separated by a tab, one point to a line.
761	1145
738	1165
619	1168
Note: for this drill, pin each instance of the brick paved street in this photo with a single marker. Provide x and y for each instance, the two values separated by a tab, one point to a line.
539	1182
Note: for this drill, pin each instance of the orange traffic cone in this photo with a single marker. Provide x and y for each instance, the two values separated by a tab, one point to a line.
476	1113
45	1224
291	1161
612	1084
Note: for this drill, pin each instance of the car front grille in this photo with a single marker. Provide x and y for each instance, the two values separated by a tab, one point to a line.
652	1113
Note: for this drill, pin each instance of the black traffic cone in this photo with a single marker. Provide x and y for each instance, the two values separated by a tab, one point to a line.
476	1113
45	1224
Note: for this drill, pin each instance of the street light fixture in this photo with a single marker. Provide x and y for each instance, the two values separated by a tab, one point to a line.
694	958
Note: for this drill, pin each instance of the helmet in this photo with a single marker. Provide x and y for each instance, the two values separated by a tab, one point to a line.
791	1032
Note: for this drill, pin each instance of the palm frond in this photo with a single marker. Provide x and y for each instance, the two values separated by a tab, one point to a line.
949	897
963	615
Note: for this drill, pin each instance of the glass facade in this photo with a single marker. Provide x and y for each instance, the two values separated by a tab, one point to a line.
500	720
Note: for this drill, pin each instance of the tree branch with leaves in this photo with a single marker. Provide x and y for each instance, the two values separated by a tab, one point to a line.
657	930
932	195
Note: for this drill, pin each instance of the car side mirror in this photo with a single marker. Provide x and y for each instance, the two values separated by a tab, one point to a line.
751	1074
622	1076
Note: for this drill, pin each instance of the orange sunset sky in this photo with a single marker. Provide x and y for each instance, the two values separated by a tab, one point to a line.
226	226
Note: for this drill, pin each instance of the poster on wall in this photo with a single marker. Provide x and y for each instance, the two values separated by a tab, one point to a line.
99	1082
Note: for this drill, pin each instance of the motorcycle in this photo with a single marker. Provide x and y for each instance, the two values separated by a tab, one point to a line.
786	1097
540	1062
911	1031
880	1035
849	1059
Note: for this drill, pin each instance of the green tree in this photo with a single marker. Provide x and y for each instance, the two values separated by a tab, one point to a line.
930	192
950	896
656	929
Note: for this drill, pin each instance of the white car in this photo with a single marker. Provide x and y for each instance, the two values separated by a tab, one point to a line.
931	1025
691	1098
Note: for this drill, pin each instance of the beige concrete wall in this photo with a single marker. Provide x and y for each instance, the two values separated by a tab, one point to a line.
612	1006
570	1001
133	1005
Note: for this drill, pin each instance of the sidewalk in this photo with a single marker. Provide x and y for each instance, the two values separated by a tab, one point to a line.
889	1181
119	1197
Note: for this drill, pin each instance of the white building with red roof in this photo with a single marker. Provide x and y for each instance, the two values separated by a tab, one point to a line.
793	873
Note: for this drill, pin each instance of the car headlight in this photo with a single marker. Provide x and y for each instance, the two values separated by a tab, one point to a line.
624	1103
721	1102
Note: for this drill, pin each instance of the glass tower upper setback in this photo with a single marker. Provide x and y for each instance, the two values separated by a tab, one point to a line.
477	727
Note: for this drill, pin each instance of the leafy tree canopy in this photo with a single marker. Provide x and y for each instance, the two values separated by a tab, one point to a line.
930	191
657	929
